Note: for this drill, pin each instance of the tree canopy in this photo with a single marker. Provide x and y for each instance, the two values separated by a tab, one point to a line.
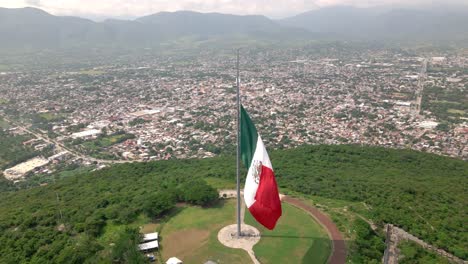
423	193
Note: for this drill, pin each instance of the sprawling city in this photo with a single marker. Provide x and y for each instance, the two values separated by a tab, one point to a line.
236	132
172	108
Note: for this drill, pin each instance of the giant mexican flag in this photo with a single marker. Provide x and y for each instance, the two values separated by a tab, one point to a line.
261	191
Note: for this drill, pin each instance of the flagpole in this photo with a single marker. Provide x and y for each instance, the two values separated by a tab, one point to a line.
239	234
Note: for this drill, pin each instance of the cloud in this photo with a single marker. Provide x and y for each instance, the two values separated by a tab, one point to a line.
273	8
142	7
36	3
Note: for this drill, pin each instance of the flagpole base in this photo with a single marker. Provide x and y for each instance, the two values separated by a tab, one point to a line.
248	238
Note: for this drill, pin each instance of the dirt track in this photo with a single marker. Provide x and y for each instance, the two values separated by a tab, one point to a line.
338	255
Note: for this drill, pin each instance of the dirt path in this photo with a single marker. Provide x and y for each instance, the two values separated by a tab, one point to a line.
338	255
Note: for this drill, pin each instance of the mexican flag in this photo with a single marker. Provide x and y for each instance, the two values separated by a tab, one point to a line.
261	191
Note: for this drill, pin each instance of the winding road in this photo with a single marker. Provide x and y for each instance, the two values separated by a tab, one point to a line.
420	89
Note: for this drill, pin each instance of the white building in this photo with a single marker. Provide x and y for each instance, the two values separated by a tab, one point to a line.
150	237
437	60
86	134
150	242
401	103
174	260
428	124
22	169
149	245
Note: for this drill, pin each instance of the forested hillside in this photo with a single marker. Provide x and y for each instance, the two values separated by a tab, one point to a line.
63	223
424	194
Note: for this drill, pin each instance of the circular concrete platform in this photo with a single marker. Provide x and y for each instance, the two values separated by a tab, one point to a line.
228	236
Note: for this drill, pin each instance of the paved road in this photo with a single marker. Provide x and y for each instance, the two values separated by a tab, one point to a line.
419	92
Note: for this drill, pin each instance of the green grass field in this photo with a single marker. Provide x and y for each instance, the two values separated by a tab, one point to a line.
106	141
293	225
456	111
111	140
191	235
297	238
444	102
96	148
50	117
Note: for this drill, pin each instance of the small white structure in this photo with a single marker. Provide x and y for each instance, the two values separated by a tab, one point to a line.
86	133
146	112
150	237
437	60
428	124
58	156
149	245
401	103
174	260
412	77
22	169
454	80
99	124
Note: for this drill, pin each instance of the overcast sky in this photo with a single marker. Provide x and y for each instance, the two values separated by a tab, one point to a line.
135	8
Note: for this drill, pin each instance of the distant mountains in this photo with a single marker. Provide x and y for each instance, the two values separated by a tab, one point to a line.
31	28
385	24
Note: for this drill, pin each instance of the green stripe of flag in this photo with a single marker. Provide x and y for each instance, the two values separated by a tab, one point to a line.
248	139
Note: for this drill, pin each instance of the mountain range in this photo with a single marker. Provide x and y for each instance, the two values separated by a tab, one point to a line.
32	28
385	24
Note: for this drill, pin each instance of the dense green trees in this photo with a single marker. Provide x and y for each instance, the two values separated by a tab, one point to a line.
159	203
124	250
12	150
198	192
446	103
424	194
137	121
6	185
87	203
412	253
368	245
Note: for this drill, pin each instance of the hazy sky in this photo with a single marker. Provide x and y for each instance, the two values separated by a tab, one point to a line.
135	8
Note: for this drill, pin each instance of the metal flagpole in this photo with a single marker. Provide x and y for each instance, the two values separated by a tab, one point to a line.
239	234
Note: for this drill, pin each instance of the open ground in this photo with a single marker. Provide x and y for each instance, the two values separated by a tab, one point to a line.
191	235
